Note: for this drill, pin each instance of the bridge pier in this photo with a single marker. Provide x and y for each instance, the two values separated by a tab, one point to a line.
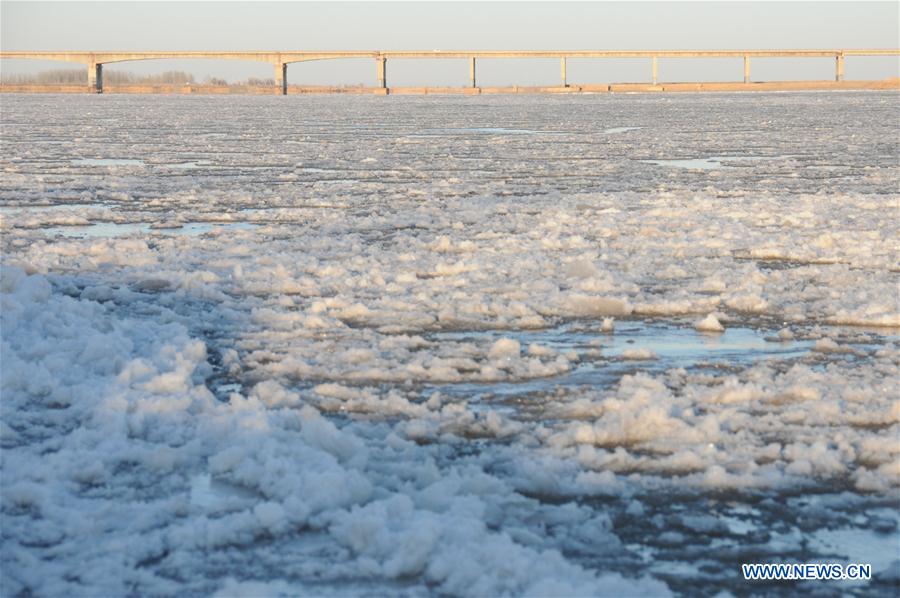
654	70
381	64
95	77
472	72
839	67
281	80
746	69
562	71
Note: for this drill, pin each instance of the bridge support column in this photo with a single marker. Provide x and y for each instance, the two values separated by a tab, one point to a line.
381	63
839	67
472	72
654	70
281	80
95	77
746	69
562	71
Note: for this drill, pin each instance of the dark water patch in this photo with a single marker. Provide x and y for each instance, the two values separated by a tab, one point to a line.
713	162
635	346
688	538
115	229
603	358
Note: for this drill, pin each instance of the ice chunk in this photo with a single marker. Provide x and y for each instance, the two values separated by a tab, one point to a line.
504	348
709	324
639	354
588	305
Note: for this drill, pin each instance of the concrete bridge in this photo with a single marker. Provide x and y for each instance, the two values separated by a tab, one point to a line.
279	60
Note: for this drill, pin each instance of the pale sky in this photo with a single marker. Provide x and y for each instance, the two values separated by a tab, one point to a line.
218	25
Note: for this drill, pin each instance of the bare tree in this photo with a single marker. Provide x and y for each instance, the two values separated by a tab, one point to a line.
110	77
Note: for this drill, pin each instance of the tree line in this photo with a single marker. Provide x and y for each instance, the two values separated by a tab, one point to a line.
110	77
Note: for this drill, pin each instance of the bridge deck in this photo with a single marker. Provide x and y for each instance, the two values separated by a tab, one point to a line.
274	56
280	59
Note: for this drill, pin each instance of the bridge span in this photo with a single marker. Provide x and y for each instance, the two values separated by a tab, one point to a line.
281	59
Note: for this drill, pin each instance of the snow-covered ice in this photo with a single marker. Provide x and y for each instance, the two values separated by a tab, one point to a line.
441	345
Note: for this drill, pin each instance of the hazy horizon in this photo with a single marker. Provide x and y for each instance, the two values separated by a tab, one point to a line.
459	25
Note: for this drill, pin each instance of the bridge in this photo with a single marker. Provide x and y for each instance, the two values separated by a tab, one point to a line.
280	60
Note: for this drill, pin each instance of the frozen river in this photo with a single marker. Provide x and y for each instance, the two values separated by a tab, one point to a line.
584	345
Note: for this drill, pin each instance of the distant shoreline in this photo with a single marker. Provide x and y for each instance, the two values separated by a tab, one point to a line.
201	89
